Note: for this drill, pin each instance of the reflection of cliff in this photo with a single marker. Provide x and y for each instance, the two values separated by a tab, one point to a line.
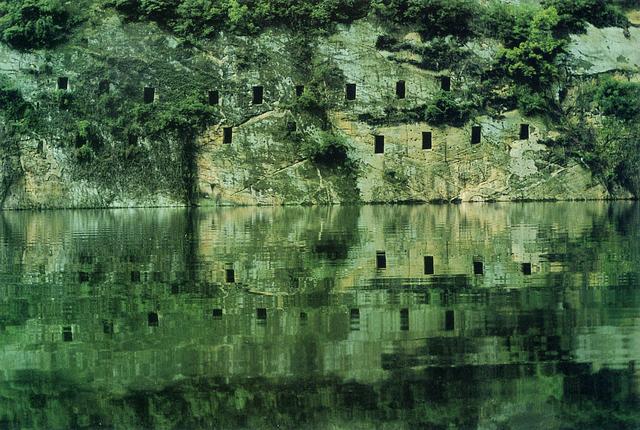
467	397
310	314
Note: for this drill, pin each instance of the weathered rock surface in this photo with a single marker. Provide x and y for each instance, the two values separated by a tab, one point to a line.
601	50
263	164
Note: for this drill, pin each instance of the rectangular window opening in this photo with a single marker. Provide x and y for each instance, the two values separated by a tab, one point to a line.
428	265
476	132
401	89
261	314
426	140
524	131
104	86
445	83
351	91
214	97
526	268
227	135
381	260
299	90
63	83
258	95
217	314
379	145
149	95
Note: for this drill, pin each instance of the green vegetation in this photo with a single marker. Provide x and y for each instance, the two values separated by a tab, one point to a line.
29	24
12	105
431	17
320	92
609	145
618	99
204	18
449	109
574	14
329	150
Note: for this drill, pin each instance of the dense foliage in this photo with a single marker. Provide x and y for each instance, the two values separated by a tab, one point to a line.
446	108
27	24
12	105
205	18
602	129
618	99
527	72
574	14
431	17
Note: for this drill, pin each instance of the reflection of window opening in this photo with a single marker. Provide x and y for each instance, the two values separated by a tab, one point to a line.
229	274
152	319
478	268
67	334
428	265
449	320
135	276
381	260
354	319
404	319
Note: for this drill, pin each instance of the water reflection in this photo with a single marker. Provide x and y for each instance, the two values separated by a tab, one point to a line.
469	316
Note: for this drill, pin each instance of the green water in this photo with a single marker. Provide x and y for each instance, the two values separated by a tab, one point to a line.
514	316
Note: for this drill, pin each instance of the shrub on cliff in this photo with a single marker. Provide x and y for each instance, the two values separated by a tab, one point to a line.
574	14
329	150
432	17
618	99
448	109
533	61
31	24
611	149
12	105
204	18
506	22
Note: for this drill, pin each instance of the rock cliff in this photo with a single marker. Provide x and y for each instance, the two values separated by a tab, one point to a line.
87	148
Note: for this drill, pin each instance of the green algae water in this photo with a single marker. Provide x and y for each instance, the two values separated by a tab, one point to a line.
501	316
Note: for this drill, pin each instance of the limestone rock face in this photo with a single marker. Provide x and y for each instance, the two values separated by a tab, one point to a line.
264	164
601	50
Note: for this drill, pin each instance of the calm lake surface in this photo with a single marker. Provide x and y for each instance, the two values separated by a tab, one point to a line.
502	316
